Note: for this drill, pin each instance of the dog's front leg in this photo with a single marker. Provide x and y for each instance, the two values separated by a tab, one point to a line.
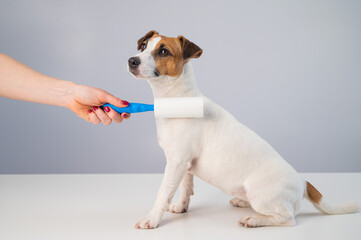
186	190
174	172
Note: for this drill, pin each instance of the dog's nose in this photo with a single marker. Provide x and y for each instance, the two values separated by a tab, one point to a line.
133	62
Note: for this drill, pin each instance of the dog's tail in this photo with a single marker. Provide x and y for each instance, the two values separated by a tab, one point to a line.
316	198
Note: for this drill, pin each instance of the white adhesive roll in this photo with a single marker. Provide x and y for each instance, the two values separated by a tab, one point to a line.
184	107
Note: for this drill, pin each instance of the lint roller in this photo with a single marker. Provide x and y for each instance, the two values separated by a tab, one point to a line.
183	107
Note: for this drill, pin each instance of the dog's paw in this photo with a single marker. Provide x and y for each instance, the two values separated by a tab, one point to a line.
249	222
263	220
236	202
147	222
179	207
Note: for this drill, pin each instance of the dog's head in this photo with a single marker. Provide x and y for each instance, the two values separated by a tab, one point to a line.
162	56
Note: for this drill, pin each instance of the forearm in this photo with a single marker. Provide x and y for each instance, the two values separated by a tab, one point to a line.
20	82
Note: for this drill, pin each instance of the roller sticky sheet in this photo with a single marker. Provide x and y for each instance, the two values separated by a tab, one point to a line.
184	107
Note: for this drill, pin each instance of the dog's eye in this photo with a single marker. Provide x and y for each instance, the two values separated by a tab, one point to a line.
143	47
163	52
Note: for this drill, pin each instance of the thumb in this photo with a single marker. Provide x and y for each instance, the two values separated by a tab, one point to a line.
109	98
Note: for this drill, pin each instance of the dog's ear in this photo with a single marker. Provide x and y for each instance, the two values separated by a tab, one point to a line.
146	37
189	49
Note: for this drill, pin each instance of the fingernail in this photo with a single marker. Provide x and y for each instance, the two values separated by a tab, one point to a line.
95	108
125	115
125	103
90	111
107	109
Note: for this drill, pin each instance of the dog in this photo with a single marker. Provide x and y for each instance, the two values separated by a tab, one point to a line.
216	148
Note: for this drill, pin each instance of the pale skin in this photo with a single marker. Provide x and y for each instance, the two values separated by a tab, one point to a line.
20	82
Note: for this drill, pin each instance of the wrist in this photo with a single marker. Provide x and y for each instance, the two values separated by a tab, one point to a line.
66	90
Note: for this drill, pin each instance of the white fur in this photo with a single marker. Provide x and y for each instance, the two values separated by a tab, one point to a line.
147	66
327	208
224	153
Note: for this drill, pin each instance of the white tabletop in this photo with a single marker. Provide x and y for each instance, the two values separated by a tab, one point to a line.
107	206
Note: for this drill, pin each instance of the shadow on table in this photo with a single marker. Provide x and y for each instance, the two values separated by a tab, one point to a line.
306	216
208	211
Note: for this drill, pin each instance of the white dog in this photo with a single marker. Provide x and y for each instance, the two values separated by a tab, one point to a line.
216	148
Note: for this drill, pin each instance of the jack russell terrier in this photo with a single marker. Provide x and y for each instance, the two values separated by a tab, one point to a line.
216	148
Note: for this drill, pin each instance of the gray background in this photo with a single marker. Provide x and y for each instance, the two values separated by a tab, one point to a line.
290	70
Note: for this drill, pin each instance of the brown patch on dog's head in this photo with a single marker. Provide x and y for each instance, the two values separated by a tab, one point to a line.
146	38
189	49
168	57
171	54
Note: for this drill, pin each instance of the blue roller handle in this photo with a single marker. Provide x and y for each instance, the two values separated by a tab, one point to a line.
132	108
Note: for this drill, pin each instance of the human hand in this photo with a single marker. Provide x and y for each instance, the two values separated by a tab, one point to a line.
18	81
85	102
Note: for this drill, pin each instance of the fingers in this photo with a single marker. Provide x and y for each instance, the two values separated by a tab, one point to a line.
109	98
116	116
85	97
97	115
113	115
125	115
93	118
102	115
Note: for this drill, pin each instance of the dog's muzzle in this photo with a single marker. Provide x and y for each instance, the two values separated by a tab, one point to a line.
133	62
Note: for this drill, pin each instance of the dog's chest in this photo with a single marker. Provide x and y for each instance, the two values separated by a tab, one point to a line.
178	134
